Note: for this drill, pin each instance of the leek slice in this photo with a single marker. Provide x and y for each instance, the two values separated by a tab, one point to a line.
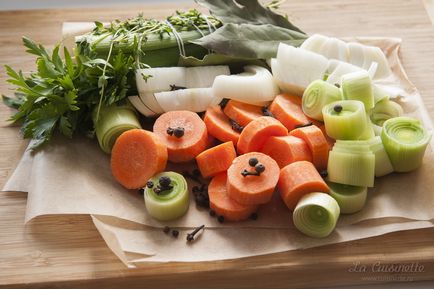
111	122
405	141
316	215
347	124
192	99
255	84
351	199
358	86
337	69
351	165
356	55
296	67
316	96
383	166
169	204
375	54
384	110
314	43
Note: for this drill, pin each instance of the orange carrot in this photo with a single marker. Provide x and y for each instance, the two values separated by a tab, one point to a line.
242	113
216	159
287	109
317	143
136	156
223	205
184	134
256	133
250	189
287	149
298	179
219	126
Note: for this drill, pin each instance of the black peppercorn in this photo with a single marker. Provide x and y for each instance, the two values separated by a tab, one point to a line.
150	184
164	181
259	168
337	108
253	162
221	219
175	233
324	174
178	132
141	191
254	216
166	229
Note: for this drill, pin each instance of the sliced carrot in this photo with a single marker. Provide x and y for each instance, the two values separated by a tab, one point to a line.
223	205
219	126
252	189
317	143
211	141
287	109
256	133
193	140
298	179
136	156
287	149
216	159
242	113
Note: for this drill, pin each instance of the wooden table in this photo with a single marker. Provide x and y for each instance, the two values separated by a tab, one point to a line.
66	252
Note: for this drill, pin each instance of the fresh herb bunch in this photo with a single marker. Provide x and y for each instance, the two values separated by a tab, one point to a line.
64	94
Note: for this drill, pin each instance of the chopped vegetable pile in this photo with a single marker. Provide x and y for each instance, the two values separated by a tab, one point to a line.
277	111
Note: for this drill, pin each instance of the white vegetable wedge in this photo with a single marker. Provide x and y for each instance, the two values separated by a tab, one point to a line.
356	55
314	43
338	68
296	67
140	106
335	49
254	85
375	54
192	99
203	76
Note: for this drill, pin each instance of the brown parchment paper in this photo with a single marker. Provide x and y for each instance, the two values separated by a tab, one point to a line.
73	177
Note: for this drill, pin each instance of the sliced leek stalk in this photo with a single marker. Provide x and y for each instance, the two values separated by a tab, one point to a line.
317	95
383	166
351	199
314	43
356	55
153	80
337	69
405	141
111	121
192	99
169	204
345	119
384	110
296	67
351	165
375	54
316	215
358	86
255	84
369	131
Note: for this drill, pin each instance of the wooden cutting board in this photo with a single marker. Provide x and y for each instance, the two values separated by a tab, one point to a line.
67	252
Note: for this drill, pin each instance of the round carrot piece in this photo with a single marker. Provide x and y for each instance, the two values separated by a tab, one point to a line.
242	113
256	133
183	132
136	156
219	125
298	179
223	205
251	189
287	109
216	159
317	143
287	149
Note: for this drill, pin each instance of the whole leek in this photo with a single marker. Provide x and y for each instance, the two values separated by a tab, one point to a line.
405	141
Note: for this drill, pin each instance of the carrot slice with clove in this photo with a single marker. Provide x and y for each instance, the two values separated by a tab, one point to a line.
298	179
287	109
136	156
185	146
242	113
252	189
287	149
256	133
223	205
317	143
219	126
216	159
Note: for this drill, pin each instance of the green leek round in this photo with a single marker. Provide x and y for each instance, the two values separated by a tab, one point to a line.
405	141
358	86
168	204
317	95
351	164
111	122
316	215
349	123
384	110
351	199
383	166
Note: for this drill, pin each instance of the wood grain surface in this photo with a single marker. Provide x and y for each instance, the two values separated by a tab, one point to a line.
67	252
